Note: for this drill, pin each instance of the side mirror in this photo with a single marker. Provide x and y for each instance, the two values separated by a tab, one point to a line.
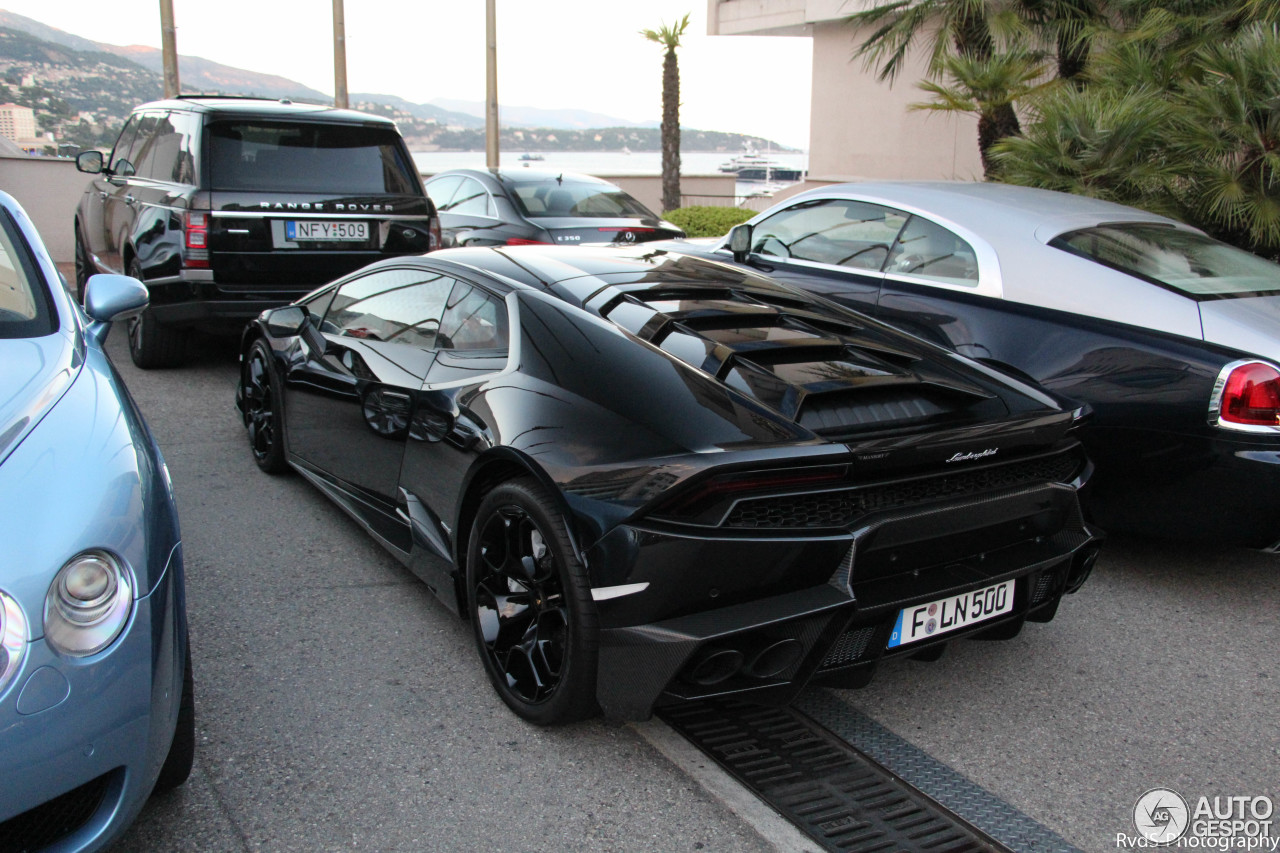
740	241
108	298
90	162
286	322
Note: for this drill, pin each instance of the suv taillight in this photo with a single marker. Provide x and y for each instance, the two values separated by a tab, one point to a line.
1250	395
195	227
434	238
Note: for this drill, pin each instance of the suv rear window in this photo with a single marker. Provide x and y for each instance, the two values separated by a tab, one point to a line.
302	157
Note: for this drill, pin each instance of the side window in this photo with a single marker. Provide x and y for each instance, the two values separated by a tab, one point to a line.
120	162
143	144
928	250
471	199
841	233
399	305
158	155
473	320
441	189
171	154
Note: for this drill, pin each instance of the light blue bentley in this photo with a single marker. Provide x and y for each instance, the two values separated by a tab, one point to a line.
96	700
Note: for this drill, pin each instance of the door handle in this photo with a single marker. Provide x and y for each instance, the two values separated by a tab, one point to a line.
130	200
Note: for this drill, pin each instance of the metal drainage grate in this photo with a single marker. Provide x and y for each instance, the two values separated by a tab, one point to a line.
841	799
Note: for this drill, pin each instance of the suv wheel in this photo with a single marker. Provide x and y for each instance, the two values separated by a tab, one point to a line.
151	344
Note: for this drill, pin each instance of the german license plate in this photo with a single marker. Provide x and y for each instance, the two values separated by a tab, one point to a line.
326	231
925	621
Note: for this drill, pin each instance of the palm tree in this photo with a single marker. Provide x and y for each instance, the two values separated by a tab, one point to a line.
669	38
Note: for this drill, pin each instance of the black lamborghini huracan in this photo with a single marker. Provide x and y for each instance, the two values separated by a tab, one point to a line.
645	477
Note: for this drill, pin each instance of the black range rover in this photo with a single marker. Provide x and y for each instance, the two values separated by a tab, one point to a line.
224	207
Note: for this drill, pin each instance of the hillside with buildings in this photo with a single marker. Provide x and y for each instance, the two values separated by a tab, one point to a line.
76	94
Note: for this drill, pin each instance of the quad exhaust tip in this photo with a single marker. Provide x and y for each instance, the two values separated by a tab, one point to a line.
718	664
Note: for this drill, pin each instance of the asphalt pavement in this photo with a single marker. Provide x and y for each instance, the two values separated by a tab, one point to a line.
341	707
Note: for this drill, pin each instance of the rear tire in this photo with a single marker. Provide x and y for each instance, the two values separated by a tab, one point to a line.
182	752
152	345
84	266
529	599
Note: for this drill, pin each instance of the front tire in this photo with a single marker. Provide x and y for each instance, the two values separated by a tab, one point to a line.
182	752
260	401
532	615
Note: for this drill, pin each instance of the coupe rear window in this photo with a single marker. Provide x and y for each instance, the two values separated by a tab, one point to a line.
1185	261
264	156
25	308
582	200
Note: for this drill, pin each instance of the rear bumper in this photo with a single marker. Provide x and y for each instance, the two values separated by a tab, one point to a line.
836	621
1220	490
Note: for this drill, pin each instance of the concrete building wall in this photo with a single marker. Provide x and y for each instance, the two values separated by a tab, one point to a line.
49	189
859	127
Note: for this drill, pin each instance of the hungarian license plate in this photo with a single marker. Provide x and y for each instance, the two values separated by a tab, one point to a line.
925	621
326	231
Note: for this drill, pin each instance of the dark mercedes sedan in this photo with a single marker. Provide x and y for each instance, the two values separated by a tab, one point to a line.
513	207
645	478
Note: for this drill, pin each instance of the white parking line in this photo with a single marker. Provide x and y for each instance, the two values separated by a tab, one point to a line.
770	825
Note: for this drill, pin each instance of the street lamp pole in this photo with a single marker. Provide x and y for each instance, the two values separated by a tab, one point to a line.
339	57
169	49
491	86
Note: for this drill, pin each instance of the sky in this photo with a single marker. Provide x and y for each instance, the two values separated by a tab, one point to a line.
554	54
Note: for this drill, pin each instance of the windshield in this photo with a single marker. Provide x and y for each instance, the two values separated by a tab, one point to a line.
25	309
308	157
1185	261
582	200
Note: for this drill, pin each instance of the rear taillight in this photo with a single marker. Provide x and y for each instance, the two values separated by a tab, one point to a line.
520	241
1247	396
434	237
195	228
709	500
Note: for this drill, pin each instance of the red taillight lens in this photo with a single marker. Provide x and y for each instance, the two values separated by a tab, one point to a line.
435	239
520	241
1251	396
196	231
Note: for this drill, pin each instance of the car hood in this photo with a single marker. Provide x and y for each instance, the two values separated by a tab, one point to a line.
1250	323
37	372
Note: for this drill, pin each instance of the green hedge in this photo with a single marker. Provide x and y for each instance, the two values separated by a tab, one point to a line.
704	221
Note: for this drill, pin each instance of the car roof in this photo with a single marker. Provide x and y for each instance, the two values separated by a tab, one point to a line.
278	109
1000	210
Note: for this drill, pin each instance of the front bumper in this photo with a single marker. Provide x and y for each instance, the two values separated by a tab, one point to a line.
87	738
835	621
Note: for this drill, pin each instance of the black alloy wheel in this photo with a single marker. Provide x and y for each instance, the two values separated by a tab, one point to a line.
152	345
84	267
260	402
530	604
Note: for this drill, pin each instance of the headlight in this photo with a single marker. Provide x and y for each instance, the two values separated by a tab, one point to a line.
13	639
87	605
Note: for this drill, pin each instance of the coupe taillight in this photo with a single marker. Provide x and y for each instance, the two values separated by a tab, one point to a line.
1251	395
520	241
195	227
